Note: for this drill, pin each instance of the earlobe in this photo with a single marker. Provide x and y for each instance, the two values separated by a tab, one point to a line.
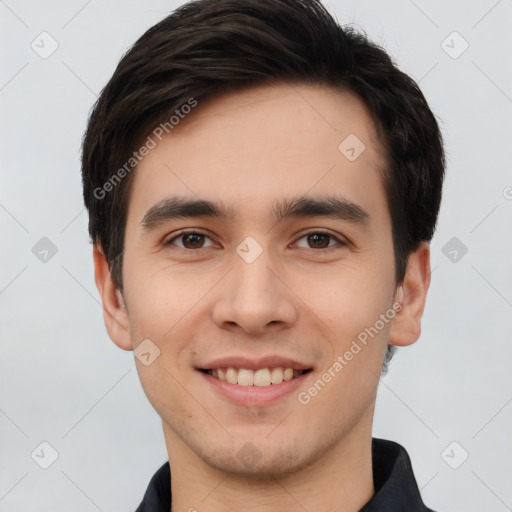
412	294
115	314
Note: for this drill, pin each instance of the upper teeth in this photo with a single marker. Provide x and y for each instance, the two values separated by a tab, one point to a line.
261	377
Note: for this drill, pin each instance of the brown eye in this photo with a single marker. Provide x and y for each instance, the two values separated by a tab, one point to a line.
192	240
318	240
189	240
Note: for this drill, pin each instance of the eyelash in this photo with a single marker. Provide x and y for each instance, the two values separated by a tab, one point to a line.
324	249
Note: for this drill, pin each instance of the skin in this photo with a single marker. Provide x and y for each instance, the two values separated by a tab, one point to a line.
250	149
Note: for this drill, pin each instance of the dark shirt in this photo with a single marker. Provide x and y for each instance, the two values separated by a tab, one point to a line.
393	479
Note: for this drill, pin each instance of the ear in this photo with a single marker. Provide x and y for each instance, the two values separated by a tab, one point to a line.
115	314
406	325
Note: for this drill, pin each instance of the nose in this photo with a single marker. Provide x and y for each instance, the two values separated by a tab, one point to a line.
255	297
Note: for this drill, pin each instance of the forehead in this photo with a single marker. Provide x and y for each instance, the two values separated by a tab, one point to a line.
251	148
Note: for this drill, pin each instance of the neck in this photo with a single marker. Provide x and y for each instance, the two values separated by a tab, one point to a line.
338	480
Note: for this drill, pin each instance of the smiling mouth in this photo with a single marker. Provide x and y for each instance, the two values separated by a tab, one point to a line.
261	377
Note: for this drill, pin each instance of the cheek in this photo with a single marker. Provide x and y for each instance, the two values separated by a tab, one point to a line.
347	299
160	296
161	303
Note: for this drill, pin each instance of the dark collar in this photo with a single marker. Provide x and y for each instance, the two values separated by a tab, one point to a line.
395	486
393	480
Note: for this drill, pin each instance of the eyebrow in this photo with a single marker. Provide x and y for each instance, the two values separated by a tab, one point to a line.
335	207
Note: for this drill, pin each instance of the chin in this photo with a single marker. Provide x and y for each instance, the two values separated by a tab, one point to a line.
272	460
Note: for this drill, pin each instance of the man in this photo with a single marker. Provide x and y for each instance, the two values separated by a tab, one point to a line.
262	186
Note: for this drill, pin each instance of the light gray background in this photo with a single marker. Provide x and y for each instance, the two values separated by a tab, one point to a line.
64	382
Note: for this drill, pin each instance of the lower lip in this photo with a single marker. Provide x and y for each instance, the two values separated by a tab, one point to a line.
255	395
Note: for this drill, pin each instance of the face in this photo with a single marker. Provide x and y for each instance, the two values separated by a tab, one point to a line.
288	263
